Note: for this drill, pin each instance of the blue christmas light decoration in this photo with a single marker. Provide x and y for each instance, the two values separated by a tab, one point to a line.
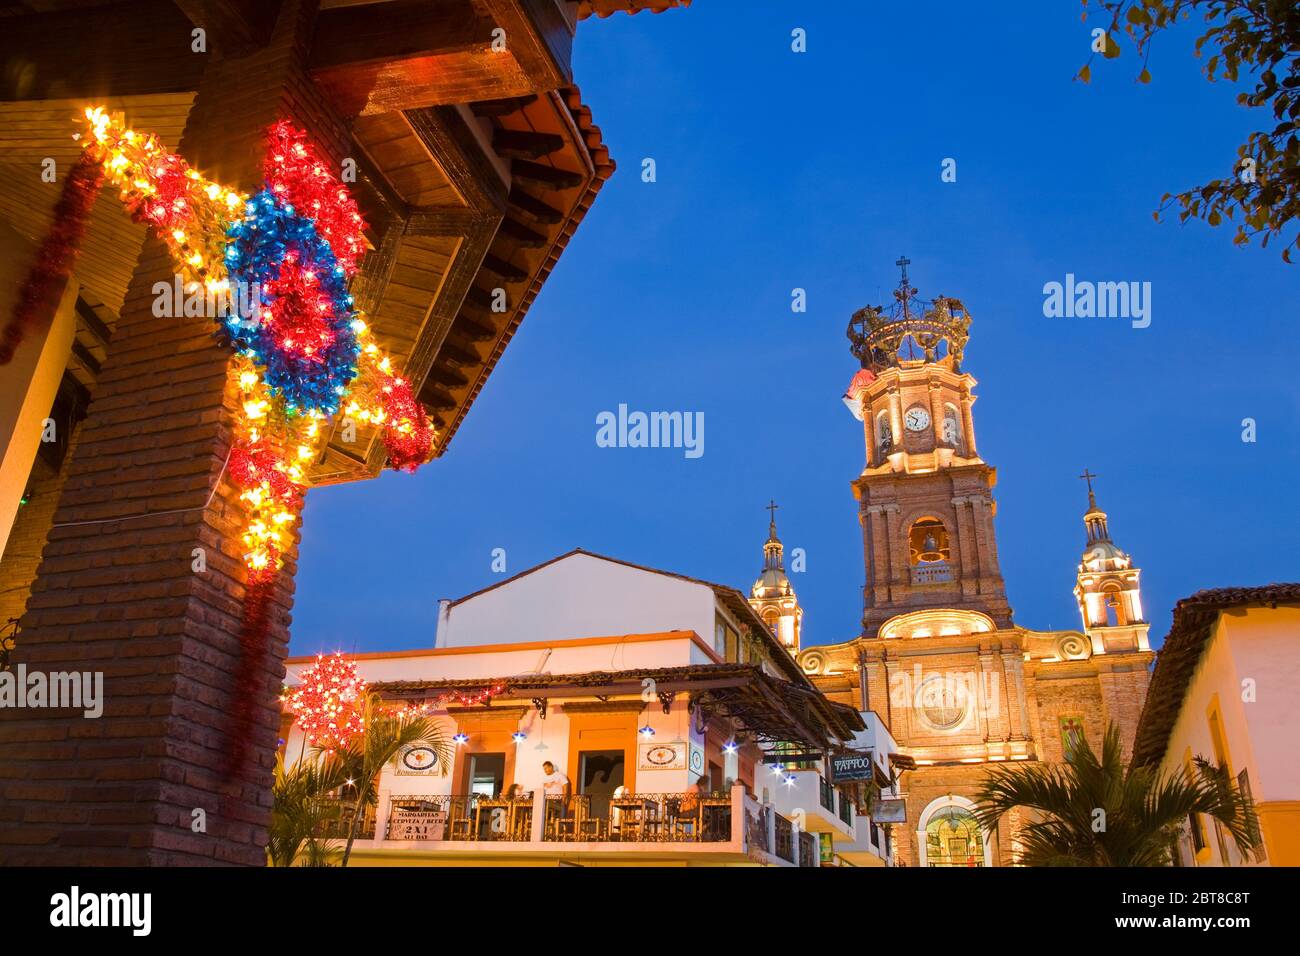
300	328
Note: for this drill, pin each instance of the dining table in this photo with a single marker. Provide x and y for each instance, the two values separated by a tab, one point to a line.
635	815
486	807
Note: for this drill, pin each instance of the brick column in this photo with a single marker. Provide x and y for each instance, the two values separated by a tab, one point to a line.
116	591
936	413
967	545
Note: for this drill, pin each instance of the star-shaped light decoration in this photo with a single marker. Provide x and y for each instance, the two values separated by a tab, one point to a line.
280	262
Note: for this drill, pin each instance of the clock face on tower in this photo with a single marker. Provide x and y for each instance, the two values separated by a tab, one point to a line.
917	419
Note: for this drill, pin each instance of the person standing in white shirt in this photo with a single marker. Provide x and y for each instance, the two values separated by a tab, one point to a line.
555	784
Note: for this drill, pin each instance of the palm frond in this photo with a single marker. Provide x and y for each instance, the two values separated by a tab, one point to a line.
1098	812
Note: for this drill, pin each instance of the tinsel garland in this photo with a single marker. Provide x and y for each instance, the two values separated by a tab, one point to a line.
56	256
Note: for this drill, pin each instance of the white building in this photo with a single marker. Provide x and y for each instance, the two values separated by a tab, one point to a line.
625	677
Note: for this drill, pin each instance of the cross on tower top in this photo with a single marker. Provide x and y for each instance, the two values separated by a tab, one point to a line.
771	526
903	262
1088	476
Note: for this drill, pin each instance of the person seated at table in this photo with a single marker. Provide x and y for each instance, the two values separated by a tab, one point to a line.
690	803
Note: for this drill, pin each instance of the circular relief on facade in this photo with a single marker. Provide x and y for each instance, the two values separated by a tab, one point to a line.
943	701
812	662
1073	647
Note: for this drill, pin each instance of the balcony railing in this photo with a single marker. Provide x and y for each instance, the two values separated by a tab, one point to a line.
846	811
809	850
937	572
826	793
784	839
642	818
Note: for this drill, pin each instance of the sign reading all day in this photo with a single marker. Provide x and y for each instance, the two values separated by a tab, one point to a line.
417	825
848	767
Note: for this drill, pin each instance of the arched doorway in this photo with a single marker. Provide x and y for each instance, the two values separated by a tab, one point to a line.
949	835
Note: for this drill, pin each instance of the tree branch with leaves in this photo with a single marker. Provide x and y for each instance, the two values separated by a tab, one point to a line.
1259	39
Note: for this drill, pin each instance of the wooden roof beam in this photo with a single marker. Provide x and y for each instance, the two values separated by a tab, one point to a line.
534	207
409	54
473	329
502	107
525	144
548	177
503	269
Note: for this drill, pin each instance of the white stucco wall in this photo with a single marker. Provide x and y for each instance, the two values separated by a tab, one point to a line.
1256	645
578	596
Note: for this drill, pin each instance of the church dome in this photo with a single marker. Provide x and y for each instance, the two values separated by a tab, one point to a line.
772	583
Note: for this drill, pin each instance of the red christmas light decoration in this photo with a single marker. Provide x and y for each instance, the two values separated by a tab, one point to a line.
408	433
329	703
300	177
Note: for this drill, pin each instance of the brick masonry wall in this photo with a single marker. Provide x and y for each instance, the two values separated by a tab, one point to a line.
118	595
1104	688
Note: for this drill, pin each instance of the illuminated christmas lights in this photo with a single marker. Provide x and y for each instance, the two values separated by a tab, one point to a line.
329	703
304	355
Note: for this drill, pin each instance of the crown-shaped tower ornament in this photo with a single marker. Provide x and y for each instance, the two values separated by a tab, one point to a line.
884	336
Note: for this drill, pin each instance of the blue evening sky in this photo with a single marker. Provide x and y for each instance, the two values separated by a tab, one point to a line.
779	170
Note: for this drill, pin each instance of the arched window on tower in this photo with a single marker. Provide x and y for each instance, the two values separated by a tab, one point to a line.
770	618
1112	603
884	435
952	427
929	551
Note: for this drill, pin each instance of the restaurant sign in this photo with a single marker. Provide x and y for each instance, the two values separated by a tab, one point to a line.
889	811
855	765
670	755
417	825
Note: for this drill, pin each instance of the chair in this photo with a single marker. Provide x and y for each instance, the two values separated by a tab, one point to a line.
461	828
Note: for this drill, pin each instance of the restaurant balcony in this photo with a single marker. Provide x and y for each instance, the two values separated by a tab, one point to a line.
670	827
869	846
807	796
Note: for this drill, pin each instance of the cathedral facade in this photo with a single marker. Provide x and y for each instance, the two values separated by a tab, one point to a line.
962	687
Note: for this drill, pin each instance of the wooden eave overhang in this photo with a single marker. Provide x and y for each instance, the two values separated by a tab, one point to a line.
475	165
770	709
607	8
1193	626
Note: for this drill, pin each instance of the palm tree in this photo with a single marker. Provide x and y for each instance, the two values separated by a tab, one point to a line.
357	763
1100	813
302	809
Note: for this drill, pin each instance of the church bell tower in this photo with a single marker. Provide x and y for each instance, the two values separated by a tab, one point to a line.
925	497
772	595
1108	590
